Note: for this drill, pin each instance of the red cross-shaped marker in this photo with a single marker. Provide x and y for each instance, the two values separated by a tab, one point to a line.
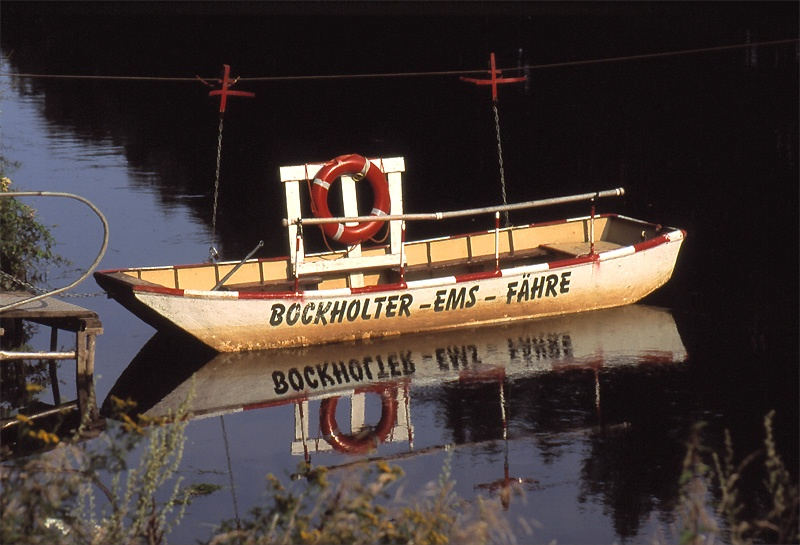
494	81
225	90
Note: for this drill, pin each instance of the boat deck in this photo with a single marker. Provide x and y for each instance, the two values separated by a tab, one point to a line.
580	249
445	256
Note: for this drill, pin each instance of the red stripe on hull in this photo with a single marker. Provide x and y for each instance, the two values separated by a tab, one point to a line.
276	403
381	287
572	261
159	289
653	242
469	277
271	295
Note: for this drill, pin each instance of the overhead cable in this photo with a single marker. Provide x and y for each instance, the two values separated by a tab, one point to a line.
526	67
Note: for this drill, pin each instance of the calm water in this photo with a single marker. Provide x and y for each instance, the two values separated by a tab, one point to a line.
596	408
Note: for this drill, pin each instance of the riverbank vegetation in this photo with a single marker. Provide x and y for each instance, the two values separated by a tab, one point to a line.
26	252
124	487
732	518
26	247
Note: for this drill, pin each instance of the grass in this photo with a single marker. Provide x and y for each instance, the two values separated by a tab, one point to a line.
705	471
76	493
366	509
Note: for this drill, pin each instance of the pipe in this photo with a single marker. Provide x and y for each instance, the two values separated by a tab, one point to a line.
91	267
435	216
10	355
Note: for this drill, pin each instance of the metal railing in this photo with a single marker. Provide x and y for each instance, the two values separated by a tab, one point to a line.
436	216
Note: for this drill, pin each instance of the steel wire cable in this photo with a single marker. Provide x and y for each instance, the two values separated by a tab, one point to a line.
519	68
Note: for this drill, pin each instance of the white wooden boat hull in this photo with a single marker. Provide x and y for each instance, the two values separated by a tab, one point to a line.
235	321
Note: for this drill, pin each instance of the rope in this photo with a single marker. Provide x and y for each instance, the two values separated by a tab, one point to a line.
303	437
314	212
656	55
500	161
87	77
230	473
383	238
322	231
418	74
33	289
22	283
212	251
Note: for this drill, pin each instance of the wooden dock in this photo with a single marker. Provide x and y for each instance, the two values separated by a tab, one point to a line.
58	315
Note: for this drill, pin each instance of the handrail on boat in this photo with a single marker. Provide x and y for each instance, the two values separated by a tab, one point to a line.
616	192
94	264
354	263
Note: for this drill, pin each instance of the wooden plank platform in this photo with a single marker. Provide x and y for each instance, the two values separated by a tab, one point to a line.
47	308
58	314
577	249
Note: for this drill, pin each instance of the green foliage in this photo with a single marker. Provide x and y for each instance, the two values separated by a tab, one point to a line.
698	519
53	498
89	494
201	489
26	246
702	469
26	249
781	521
20	383
361	510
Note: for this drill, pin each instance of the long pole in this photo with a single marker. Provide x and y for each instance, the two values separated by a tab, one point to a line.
435	216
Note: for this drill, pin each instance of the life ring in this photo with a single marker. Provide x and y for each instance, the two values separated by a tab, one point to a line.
366	440
359	167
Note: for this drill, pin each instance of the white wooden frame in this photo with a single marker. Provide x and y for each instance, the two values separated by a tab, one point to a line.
291	176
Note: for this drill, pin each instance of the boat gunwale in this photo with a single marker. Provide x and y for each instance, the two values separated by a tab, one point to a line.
672	235
421	241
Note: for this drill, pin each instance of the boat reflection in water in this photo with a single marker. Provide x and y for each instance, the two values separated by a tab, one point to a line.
165	372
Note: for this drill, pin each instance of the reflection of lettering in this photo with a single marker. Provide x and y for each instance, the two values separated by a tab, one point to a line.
453	357
537	287
336	373
325	312
551	346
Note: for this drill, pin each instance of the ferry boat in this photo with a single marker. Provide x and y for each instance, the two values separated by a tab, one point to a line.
362	291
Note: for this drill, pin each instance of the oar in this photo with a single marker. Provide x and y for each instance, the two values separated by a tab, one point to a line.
236	268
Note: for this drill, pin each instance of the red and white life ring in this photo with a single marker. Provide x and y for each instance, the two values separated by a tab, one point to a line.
359	442
357	166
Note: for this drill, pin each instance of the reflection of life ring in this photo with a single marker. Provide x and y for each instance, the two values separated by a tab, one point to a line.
363	441
358	167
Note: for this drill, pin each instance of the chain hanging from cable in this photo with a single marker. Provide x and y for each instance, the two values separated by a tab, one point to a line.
495	79
223	93
39	291
22	283
213	254
500	162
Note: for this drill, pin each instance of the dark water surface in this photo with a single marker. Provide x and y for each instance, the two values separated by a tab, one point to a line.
594	410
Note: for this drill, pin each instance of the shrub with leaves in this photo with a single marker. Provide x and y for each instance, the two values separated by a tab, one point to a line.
361	510
87	493
26	246
776	522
